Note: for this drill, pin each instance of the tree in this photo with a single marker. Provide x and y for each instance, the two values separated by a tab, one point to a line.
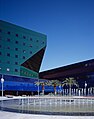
54	83
70	82
41	83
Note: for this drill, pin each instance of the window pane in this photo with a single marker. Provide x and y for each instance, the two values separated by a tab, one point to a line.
16	35
16	42
16	63
8	32
23	57
8	39
16	56
16	49
16	70
24	37
0	53
8	54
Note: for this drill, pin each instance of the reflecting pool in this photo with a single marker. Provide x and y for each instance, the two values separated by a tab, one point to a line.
50	105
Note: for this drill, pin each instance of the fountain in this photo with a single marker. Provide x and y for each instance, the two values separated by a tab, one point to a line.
51	105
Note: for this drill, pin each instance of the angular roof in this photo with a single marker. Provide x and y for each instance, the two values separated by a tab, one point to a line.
69	70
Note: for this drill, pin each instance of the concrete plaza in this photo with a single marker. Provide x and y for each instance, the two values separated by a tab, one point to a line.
11	115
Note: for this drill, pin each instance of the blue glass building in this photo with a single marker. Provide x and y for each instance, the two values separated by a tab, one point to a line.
21	54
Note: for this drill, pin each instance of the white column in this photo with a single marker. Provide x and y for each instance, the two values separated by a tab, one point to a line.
79	92
88	91
76	91
82	91
67	91
72	92
85	87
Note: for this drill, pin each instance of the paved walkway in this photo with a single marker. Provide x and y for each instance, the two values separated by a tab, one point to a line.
10	115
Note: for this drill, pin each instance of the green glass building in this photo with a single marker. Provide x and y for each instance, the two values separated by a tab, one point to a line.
21	50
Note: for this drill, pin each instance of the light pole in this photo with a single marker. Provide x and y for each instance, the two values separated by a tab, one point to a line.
85	86
2	81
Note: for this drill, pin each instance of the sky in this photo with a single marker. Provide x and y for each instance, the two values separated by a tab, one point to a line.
68	24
